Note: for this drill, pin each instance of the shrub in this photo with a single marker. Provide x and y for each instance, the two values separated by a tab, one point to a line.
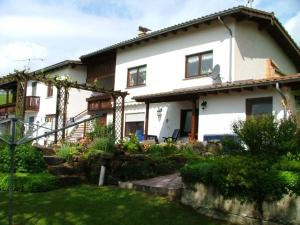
288	162
231	146
291	180
67	151
249	178
162	150
27	159
132	145
104	144
102	131
29	182
265	135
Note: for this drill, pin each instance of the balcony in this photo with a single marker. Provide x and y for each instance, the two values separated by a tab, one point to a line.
32	103
7	109
99	104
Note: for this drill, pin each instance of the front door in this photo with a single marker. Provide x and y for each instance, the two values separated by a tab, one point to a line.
186	122
102	120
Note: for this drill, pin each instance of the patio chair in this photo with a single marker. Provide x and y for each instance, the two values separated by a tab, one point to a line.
152	137
174	137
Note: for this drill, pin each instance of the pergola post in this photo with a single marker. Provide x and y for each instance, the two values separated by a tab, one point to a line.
57	113
20	98
146	121
194	119
114	115
122	116
61	112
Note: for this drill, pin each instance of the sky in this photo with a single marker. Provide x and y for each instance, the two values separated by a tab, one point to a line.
50	31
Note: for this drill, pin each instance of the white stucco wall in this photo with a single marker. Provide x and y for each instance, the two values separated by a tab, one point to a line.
223	109
165	59
77	98
252	48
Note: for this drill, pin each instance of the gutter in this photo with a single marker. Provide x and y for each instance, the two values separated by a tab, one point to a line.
284	100
230	47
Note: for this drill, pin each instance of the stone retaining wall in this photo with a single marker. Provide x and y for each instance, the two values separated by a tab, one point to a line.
207	200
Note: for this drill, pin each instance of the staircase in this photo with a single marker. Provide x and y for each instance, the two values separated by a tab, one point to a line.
79	131
67	175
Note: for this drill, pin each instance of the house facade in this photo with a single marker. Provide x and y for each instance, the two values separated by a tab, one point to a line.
202	75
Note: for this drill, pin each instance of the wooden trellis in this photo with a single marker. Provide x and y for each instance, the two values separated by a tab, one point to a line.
62	98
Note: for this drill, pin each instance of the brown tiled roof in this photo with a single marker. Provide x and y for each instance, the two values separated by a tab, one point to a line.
267	20
58	66
185	93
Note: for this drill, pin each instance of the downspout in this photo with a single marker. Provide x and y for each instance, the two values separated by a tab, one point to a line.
230	47
284	100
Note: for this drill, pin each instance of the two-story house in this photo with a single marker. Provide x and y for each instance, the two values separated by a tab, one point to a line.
201	75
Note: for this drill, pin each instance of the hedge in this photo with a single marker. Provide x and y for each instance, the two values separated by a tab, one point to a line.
247	177
26	182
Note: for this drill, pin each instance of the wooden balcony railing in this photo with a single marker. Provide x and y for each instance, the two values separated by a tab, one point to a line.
32	103
7	108
99	105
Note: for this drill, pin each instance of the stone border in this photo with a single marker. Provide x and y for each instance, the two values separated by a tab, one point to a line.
208	201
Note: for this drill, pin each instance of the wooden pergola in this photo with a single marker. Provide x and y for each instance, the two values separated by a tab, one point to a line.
21	78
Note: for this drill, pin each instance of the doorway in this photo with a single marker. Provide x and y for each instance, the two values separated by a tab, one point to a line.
186	122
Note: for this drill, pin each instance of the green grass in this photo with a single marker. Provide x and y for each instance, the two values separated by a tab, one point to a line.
90	205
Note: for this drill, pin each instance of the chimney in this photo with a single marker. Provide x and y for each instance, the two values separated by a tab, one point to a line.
143	31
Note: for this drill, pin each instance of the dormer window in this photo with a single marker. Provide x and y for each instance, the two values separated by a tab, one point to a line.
136	76
200	64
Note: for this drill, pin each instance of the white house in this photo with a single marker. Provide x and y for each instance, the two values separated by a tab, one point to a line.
201	75
44	97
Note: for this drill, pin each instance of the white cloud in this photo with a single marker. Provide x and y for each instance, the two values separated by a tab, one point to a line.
15	55
292	26
65	31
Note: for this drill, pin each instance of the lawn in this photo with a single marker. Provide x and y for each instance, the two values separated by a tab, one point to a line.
90	205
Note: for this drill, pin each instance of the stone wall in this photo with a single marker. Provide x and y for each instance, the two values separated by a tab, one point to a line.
207	200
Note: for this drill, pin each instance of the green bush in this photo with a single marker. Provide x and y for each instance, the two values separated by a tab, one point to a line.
266	135
291	180
247	177
231	146
26	182
105	144
102	131
132	145
288	164
67	151
27	159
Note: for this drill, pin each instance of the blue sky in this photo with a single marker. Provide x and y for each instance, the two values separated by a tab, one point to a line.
55	30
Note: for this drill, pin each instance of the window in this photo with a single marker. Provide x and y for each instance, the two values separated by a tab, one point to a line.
259	106
199	64
136	127
33	88
49	118
136	76
49	91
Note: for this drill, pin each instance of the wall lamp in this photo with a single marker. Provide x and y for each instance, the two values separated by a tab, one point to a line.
159	112
204	105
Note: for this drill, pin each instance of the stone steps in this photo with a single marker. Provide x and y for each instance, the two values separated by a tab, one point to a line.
47	151
53	160
63	169
170	186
